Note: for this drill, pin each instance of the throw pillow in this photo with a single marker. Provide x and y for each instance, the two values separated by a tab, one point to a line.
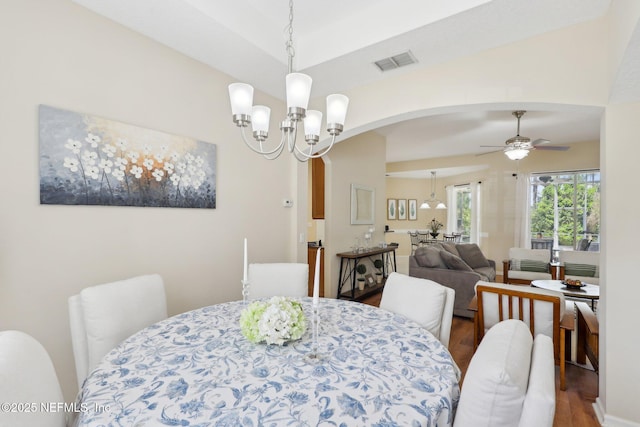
583	270
451	248
429	257
529	265
472	255
453	262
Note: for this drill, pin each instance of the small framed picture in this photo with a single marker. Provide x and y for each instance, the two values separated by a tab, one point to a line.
413	209
402	208
391	209
368	278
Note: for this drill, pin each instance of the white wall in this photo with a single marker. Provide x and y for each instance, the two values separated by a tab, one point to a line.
620	384
60	54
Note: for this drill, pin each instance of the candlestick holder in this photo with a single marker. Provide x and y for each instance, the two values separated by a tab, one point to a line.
246	284
313	356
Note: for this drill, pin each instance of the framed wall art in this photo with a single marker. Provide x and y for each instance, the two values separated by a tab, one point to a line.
370	281
413	209
89	160
402	208
362	204
391	209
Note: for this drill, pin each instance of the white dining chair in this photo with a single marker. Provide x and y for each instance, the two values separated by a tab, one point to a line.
28	377
510	380
278	279
102	316
424	301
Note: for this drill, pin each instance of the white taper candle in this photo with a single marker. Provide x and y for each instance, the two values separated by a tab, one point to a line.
244	276
316	279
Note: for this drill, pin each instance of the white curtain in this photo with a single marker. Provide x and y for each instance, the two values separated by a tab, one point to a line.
476	208
522	227
451	209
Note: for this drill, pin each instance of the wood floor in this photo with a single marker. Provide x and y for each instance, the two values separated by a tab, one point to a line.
573	406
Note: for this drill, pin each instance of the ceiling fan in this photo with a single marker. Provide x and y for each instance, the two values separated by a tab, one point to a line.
518	147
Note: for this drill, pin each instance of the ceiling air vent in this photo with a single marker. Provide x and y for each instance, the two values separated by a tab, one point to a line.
396	61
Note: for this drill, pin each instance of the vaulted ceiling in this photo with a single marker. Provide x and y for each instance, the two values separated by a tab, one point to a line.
338	41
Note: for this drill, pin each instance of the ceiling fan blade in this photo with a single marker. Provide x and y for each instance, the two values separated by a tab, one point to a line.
552	148
489	152
540	141
492	146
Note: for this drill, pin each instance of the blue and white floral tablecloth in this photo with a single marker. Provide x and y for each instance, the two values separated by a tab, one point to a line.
196	369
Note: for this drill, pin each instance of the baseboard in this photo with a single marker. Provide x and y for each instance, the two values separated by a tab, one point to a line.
609	420
598	409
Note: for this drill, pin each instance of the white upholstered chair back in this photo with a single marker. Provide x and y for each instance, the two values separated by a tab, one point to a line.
424	301
581	257
278	279
27	376
523	276
102	316
510	380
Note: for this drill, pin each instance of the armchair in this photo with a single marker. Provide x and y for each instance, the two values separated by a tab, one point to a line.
542	310
588	335
580	265
525	265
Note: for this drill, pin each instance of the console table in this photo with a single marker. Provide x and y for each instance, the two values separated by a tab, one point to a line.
349	262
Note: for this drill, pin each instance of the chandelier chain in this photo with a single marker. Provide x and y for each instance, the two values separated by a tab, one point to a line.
289	44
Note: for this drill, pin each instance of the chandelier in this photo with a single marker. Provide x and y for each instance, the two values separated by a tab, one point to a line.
432	201
298	87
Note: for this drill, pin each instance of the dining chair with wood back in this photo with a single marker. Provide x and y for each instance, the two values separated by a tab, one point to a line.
543	311
588	336
102	316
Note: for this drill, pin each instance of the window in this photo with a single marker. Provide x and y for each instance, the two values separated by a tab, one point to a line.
565	207
462	196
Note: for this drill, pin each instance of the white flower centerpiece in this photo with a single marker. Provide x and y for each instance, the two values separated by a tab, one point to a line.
275	321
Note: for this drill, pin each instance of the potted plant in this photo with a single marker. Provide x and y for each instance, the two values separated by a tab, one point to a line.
435	228
361	269
378	264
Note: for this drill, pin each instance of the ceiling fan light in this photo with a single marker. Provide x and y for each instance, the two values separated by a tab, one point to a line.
441	205
516	153
425	205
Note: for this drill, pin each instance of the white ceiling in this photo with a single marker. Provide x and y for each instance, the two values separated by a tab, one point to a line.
337	42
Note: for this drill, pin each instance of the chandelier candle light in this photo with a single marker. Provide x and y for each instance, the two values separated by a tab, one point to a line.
298	87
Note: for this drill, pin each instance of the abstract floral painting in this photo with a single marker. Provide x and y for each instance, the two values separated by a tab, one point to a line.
88	160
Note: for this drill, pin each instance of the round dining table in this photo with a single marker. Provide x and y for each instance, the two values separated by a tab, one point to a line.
374	368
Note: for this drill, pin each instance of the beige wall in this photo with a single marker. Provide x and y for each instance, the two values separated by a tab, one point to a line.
359	160
60	54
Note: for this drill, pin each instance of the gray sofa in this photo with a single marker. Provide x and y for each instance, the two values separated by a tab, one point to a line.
457	266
